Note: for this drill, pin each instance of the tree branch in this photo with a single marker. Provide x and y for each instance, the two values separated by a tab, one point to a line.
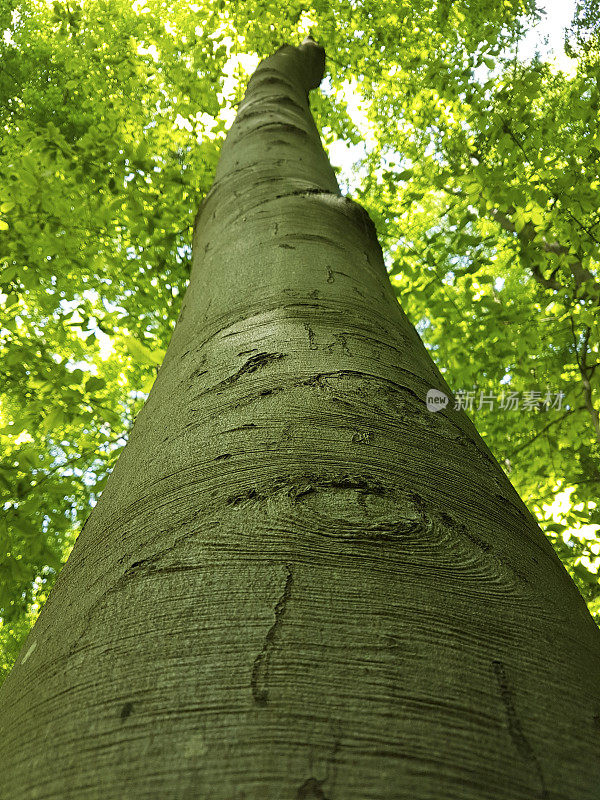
543	430
585	378
527	235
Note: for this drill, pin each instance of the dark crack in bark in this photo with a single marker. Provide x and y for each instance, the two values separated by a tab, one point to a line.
253	364
515	729
260	669
299	486
311	790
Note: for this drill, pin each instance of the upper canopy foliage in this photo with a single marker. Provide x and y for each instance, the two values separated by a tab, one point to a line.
480	169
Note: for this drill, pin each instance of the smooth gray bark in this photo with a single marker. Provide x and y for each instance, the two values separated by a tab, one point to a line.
299	583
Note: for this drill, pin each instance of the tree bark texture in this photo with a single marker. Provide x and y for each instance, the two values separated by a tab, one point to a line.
300	584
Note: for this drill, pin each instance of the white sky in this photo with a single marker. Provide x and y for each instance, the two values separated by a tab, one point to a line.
558	16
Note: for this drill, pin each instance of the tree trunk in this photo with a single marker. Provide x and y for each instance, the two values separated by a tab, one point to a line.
300	583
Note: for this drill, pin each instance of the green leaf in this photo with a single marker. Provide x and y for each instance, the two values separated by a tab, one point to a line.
7	275
142	354
94	384
54	417
74	378
555	527
148	384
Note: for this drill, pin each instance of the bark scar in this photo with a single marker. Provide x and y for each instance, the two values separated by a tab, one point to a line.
260	669
515	728
253	364
312	345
